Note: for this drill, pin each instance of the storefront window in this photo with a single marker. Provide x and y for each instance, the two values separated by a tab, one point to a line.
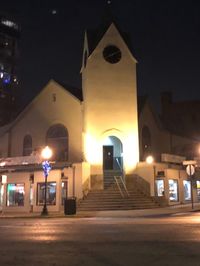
198	190
51	193
160	187
64	191
15	195
187	189
173	190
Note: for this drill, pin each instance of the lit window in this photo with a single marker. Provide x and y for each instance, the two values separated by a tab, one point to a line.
9	23
15	194
51	193
160	187
6	78
198	190
187	189
173	190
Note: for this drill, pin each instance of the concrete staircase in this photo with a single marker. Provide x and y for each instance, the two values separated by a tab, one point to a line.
114	198
109	177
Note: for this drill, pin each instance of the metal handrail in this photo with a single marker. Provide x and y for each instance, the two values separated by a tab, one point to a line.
118	164
124	186
119	187
121	169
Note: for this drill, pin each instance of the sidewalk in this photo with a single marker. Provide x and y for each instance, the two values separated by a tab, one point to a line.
157	212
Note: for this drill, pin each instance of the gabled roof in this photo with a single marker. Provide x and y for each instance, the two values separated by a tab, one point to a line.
77	93
94	36
142	102
73	90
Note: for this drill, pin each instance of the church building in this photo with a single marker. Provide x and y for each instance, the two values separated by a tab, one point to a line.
100	137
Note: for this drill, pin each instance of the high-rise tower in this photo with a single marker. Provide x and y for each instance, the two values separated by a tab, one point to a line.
9	40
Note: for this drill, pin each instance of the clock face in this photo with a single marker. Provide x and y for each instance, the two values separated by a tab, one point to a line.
112	54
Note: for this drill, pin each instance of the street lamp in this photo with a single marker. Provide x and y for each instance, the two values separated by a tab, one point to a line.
46	155
150	160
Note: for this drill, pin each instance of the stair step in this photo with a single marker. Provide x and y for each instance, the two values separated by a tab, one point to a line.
110	203
110	197
115	208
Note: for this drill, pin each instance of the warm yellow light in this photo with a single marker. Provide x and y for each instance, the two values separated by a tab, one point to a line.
130	153
93	150
4	179
149	159
46	153
2	164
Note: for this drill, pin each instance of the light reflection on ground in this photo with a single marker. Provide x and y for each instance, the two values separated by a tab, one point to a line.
157	240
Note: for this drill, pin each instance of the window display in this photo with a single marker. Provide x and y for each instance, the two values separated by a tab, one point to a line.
173	190
51	193
15	194
187	189
198	190
160	187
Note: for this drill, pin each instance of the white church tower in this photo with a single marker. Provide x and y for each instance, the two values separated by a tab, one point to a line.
110	129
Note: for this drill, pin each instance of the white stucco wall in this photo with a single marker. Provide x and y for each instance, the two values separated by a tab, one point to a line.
42	113
110	102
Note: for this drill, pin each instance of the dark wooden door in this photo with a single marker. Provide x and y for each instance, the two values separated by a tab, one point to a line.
107	157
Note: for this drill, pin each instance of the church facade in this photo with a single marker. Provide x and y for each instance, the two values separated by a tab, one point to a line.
98	131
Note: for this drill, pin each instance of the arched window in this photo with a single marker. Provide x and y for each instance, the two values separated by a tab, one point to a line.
146	139
57	139
27	145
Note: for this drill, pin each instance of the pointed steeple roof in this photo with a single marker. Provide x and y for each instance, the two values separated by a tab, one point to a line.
95	35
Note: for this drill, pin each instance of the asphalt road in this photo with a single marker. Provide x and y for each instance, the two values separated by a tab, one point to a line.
160	240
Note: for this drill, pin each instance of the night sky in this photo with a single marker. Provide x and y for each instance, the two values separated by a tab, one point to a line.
165	38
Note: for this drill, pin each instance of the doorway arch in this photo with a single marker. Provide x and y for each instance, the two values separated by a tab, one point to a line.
112	154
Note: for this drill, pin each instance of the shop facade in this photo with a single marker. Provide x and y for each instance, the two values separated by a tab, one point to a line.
23	188
170	183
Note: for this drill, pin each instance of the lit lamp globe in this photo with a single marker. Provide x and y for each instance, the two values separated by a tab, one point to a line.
150	159
46	153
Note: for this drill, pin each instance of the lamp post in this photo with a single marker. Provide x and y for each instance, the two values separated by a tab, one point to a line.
46	155
150	160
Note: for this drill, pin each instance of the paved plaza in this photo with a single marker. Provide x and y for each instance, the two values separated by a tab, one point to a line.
153	237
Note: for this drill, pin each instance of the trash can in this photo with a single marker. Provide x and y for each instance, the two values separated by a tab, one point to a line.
70	206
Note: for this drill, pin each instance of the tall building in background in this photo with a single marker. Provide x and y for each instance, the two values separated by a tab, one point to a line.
9	40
